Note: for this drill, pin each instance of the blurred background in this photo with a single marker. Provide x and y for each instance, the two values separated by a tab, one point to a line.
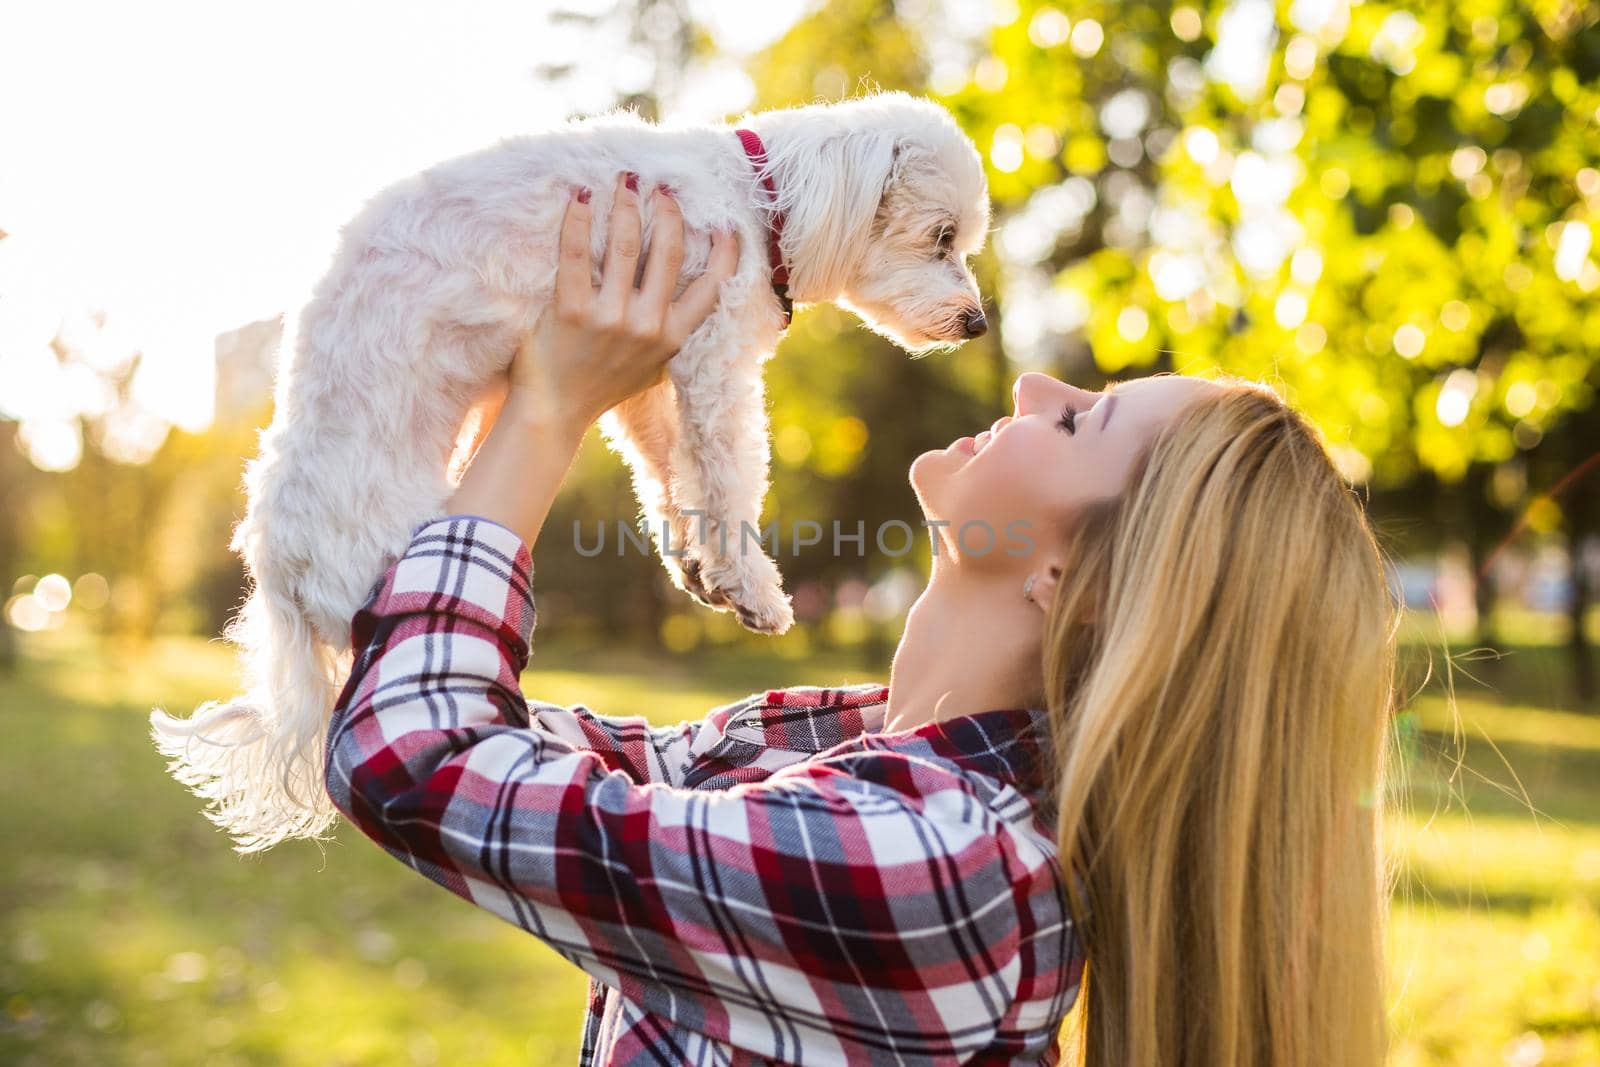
1386	210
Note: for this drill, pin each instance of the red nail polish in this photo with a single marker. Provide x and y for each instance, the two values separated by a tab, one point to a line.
632	181
583	194
664	189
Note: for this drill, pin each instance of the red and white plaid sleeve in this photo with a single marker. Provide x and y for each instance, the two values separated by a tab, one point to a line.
854	907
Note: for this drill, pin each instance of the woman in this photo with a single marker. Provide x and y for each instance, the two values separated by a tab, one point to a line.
1177	691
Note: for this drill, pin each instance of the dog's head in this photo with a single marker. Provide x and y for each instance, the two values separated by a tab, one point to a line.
885	200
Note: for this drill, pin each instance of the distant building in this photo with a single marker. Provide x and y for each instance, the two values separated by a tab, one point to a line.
246	361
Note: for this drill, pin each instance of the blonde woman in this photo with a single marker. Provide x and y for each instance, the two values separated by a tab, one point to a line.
1127	764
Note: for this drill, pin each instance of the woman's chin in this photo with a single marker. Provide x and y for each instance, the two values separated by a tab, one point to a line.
924	472
928	472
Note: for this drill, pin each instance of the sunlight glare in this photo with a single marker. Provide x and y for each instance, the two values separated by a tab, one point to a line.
205	191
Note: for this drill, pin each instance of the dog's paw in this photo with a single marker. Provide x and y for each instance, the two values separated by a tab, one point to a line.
682	562
695	586
754	592
773	620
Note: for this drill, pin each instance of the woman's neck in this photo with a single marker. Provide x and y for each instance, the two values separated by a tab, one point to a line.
967	648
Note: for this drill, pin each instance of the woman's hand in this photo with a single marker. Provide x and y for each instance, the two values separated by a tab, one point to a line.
595	347
592	349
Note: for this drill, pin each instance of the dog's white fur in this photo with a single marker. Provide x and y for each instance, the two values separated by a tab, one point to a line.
420	311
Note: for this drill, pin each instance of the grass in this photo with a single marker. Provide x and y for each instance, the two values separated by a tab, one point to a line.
131	934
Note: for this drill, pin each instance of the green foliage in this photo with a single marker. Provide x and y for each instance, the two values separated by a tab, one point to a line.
840	49
1378	228
1393	225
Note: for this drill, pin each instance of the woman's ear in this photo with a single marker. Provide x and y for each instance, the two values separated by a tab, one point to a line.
1044	581
1043	592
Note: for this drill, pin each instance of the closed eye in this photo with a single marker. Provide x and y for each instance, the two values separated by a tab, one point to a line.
1069	419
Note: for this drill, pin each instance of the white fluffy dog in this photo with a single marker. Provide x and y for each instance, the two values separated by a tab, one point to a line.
873	203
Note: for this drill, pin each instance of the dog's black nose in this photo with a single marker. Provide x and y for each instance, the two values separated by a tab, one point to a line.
976	324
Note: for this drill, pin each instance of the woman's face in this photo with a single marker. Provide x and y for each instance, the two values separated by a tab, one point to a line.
1019	482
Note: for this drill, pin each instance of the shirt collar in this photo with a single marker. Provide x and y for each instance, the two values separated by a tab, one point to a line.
1006	744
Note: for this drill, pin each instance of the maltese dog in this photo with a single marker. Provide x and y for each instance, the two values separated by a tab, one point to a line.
873	203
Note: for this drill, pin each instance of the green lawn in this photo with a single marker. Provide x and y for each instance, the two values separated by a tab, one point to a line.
131	934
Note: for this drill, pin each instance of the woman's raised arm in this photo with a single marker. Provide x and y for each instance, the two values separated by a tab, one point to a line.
862	906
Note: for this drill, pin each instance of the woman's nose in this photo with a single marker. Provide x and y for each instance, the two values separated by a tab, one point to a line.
1030	391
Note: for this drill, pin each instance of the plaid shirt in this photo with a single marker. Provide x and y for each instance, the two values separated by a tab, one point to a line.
781	881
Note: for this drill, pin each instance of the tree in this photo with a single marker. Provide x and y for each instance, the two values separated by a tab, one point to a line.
1387	211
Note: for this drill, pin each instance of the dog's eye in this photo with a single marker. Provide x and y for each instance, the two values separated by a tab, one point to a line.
944	241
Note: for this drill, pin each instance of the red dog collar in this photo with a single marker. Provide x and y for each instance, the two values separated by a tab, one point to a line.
757	153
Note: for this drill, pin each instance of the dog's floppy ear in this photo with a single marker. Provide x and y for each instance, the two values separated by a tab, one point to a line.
836	185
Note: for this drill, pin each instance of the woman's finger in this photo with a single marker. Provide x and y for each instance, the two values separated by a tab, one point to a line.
665	260
622	247
697	300
573	287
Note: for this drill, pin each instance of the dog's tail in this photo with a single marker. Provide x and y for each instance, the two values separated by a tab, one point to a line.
258	759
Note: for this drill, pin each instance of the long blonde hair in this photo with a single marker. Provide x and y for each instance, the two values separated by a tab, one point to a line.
1219	672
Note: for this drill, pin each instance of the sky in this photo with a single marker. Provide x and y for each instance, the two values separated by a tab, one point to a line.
183	168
